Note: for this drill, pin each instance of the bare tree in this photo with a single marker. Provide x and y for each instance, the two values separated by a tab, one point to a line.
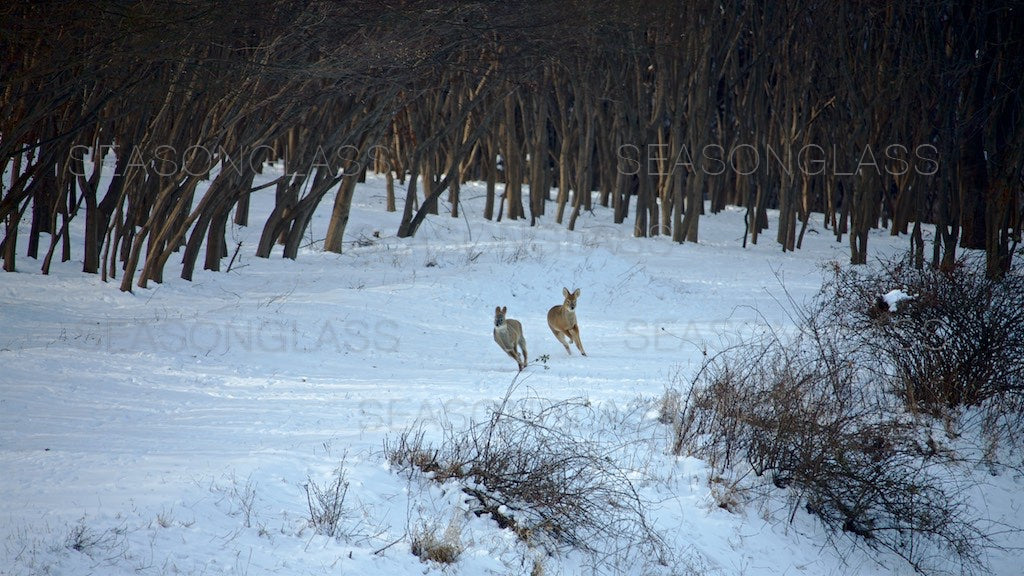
877	115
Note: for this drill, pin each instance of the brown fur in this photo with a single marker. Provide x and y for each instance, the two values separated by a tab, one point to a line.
508	333
562	321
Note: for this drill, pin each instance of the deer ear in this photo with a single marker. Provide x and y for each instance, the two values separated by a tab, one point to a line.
497	309
565	292
576	293
504	309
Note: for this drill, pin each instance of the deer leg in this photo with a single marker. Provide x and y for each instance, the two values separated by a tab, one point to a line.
515	356
575	333
563	340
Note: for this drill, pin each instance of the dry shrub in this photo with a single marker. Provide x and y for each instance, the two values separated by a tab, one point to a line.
670	406
955	350
531	468
327	509
727	494
957	342
808	414
103	546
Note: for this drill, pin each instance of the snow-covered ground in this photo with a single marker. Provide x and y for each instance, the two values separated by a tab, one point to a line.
173	430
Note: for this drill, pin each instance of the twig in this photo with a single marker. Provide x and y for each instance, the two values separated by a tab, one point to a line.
235	255
381	550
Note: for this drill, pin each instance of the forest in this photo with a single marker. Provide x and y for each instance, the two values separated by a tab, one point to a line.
893	115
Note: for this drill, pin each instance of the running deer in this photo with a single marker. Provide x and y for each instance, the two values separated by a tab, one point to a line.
508	333
562	321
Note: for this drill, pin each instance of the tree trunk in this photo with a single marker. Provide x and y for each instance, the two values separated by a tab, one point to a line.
339	216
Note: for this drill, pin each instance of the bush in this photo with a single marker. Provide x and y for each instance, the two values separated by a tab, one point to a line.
326	504
529	469
956	341
814	414
954	349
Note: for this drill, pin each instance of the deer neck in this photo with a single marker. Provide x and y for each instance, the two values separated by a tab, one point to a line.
569	314
503	335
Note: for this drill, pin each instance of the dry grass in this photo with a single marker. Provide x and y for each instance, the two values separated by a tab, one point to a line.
446	548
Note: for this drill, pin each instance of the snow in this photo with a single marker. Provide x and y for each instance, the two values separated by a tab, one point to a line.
174	430
893	298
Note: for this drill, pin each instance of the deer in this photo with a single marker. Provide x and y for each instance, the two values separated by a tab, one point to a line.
508	333
562	321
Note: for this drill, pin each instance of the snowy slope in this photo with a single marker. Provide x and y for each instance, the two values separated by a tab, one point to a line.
172	430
